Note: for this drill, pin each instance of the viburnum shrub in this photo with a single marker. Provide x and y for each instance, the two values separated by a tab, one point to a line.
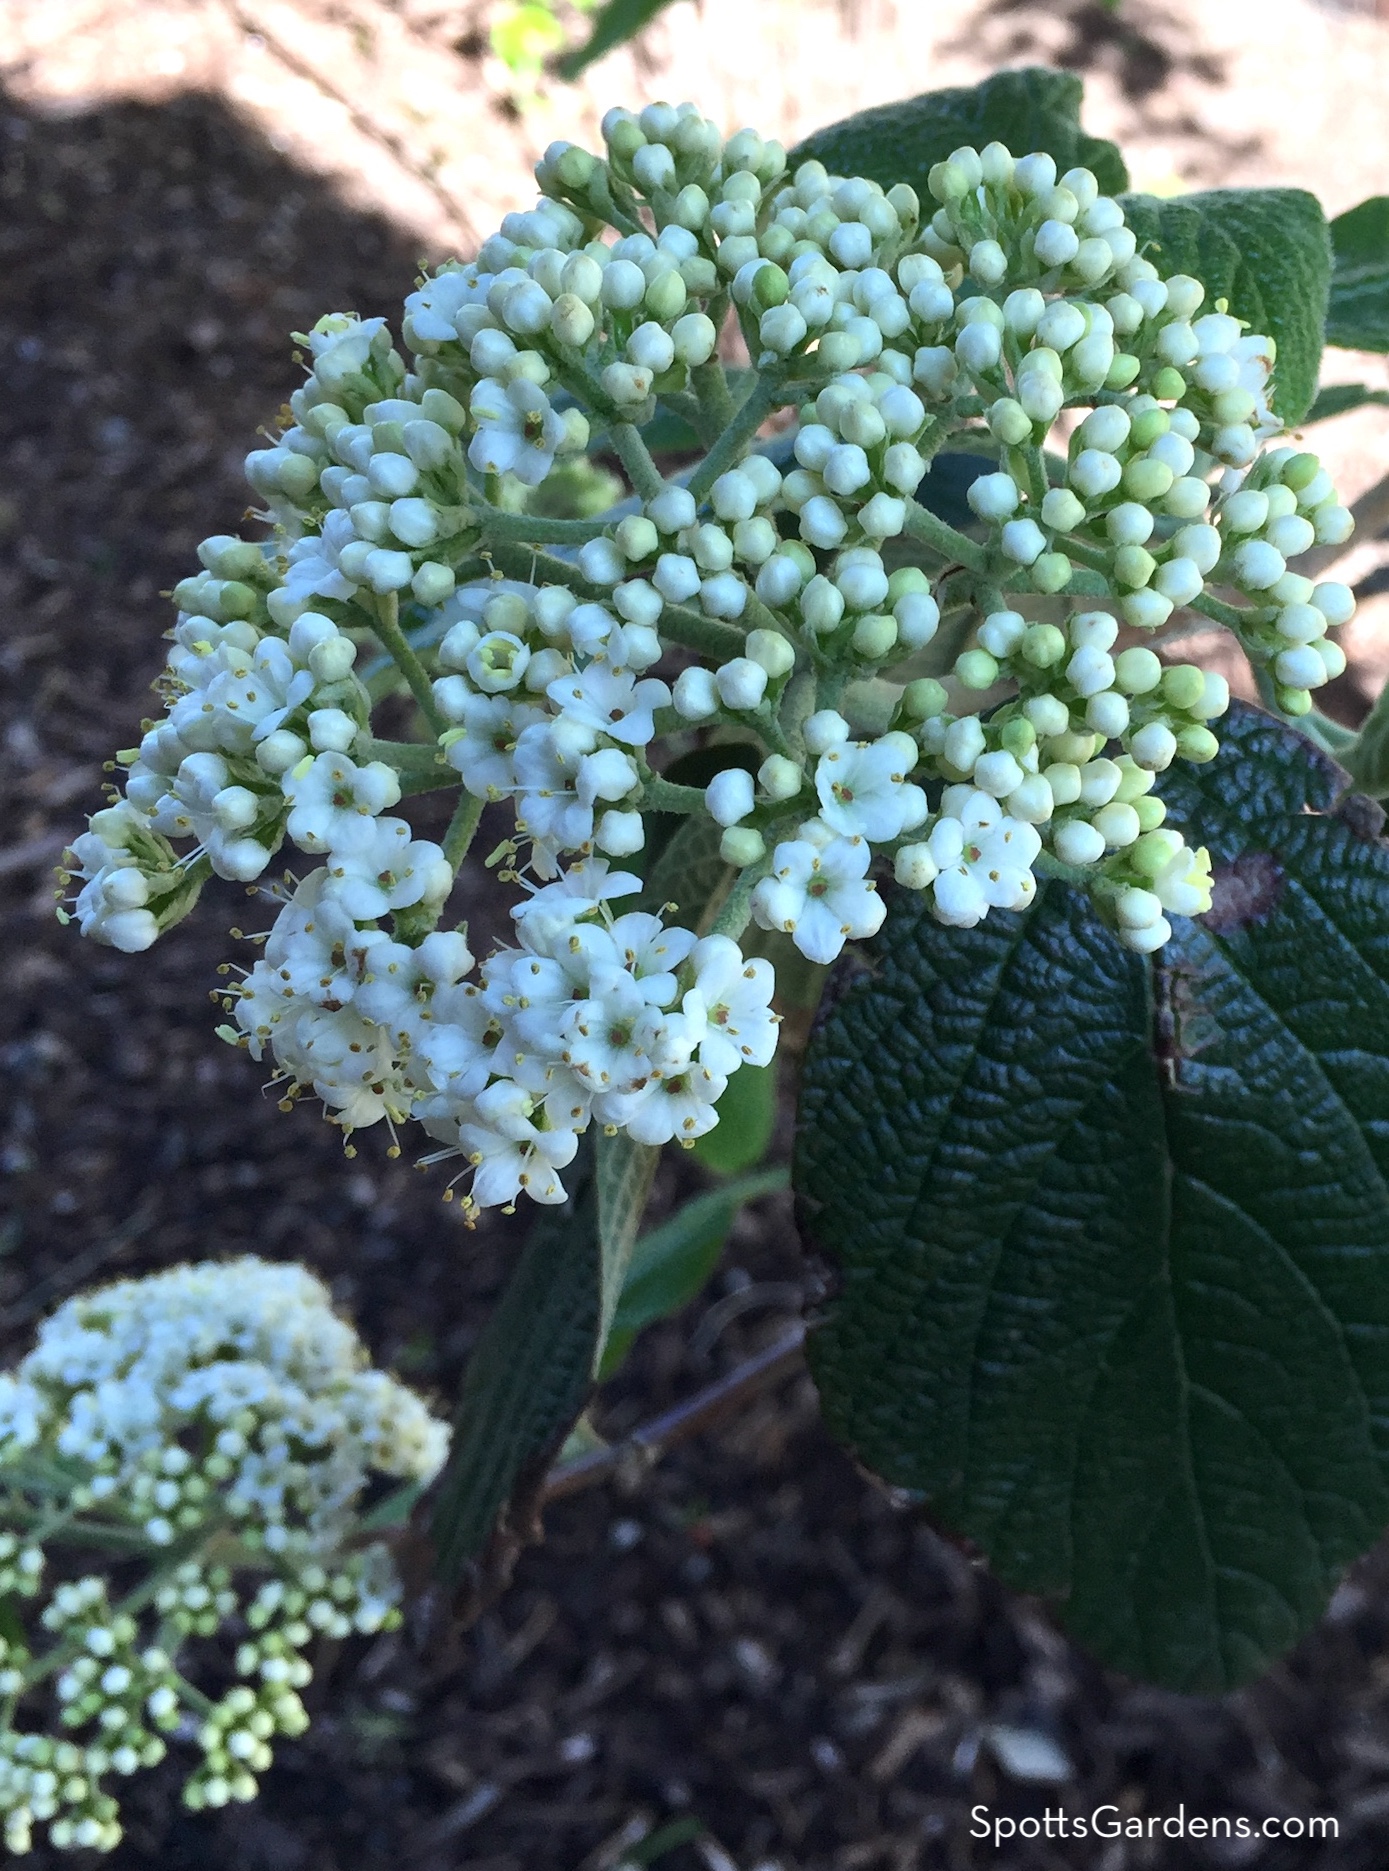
881	644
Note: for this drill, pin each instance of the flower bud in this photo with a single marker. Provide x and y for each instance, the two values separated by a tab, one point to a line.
741	683
729	796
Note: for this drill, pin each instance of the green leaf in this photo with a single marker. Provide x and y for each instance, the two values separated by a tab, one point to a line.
525	37
1334	399
527	1377
689	871
1367	760
1267	251
622	1173
672	1262
747	1116
1114	1232
1358	317
614	25
1031	109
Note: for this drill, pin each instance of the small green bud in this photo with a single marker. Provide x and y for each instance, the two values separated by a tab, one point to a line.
1009	422
875	637
907	578
1151	812
574	170
1044	645
1291	701
1183	685
1300	472
1134	566
976	669
1052	572
1019	736
1148	425
741	845
1123	371
1169	384
769	287
1198	744
947	181
923	700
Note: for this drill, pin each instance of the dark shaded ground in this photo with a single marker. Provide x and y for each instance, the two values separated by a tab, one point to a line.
758	1637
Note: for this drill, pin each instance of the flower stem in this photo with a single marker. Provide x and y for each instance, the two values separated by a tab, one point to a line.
925	526
660	795
525	527
386	624
736	909
731	446
462	827
632	452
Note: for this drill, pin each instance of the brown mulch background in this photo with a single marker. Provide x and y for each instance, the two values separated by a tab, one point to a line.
758	1636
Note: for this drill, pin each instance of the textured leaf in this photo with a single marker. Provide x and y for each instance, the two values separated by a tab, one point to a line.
1031	109
528	1374
672	1262
1358	317
1265	250
1115	1233
613	25
623	1170
747	1114
1334	399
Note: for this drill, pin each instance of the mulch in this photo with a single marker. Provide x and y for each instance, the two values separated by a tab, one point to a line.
754	1642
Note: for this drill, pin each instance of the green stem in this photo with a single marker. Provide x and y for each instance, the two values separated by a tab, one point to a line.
710	382
698	632
635	456
1220	613
736	909
411	759
386	625
660	795
534	527
462	827
732	444
930	530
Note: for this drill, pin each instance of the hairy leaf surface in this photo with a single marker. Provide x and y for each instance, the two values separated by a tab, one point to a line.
1358	316
1114	1233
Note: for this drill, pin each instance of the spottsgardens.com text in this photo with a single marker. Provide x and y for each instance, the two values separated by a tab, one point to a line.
1107	1822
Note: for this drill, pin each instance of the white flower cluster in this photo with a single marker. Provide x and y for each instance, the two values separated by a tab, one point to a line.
807	591
214	1428
588	1018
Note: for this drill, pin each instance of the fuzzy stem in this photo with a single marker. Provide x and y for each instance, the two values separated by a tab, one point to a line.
386	625
526	528
462	828
710	383
925	526
736	909
660	795
732	444
632	452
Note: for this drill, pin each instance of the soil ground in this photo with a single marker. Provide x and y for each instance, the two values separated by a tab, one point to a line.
757	1636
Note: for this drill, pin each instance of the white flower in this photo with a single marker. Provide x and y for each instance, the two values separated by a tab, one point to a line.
484	753
313	570
611	701
820	895
518	432
731	997
332	801
984	860
390	869
863	788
